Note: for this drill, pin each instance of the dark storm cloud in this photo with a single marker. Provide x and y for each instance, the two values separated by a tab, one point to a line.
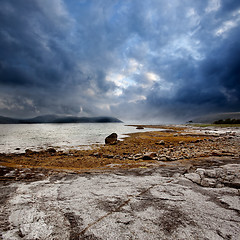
207	83
122	58
42	60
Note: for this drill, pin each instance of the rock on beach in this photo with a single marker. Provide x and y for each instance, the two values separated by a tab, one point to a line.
111	139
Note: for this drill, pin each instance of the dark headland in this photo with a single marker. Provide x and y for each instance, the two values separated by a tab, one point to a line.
58	119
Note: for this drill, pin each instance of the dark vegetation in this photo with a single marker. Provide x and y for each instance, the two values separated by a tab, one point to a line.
210	118
228	121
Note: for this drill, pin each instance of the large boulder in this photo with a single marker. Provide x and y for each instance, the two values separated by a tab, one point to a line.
111	139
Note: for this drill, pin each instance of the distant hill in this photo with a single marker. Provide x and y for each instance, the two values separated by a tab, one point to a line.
215	117
58	119
8	120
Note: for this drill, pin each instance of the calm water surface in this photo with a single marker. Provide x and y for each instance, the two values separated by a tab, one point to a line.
60	136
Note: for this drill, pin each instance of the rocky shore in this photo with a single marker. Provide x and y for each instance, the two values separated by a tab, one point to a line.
158	148
178	182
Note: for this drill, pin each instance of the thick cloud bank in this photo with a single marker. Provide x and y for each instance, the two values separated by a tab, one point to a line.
130	59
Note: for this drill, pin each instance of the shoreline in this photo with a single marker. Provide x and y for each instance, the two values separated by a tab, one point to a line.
39	137
173	144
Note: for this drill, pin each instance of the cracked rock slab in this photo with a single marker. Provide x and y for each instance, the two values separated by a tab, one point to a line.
122	206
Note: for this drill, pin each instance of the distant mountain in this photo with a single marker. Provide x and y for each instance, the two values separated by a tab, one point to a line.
58	119
4	120
215	117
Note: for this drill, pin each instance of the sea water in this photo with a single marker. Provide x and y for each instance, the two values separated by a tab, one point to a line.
16	138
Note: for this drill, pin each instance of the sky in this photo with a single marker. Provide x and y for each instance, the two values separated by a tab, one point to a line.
131	59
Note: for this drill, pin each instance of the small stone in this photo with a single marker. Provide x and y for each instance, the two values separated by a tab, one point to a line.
160	143
149	156
208	182
176	175
11	173
196	141
96	154
51	150
170	158
28	151
201	172
194	177
162	158
229	178
219	185
211	173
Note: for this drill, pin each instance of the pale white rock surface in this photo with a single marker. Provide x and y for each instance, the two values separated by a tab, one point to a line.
137	204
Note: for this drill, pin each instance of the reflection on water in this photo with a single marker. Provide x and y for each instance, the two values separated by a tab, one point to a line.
61	136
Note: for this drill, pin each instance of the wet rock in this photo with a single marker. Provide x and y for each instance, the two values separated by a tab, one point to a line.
149	156
139	127
51	150
111	139
29	152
